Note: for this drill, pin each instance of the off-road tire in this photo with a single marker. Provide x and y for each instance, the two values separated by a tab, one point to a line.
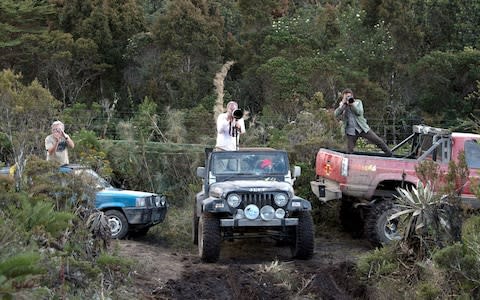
195	226
209	238
118	223
304	242
351	218
378	229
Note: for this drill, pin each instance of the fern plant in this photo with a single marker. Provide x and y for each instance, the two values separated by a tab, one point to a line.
40	216
16	270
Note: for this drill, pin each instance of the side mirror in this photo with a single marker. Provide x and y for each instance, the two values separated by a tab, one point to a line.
201	172
297	171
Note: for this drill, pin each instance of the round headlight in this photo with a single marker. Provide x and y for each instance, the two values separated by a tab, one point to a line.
280	199
157	201
267	213
251	212
280	213
234	200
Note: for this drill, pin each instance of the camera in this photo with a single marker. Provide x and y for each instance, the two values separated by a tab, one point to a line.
350	99
238	114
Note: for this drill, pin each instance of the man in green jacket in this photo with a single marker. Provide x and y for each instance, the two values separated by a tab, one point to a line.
350	111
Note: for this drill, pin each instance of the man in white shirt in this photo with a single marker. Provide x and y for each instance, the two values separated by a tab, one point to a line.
229	128
57	144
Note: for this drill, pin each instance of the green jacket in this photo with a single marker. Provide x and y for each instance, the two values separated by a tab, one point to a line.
357	109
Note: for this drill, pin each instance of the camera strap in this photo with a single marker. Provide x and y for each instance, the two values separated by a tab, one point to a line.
232	130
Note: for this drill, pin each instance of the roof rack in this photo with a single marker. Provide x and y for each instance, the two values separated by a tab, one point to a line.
424	129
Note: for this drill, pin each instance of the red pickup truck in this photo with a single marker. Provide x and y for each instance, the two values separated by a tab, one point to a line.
366	182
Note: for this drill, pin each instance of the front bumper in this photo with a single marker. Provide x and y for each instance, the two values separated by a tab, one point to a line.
258	222
145	215
326	190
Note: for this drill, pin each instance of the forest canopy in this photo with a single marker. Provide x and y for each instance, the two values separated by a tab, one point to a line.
409	61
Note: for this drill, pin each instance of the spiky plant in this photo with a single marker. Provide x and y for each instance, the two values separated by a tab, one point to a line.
97	224
430	220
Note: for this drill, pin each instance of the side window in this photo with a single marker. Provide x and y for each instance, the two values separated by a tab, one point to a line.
472	154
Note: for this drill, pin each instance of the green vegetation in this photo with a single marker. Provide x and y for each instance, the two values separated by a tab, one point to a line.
438	254
53	243
133	82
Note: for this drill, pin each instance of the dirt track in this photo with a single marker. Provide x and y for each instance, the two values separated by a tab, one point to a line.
249	269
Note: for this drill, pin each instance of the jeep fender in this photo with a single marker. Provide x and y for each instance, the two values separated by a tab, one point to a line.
216	205
299	204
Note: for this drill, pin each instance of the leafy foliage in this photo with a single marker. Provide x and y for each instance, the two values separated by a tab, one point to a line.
144	74
18	269
18	19
25	111
461	260
430	221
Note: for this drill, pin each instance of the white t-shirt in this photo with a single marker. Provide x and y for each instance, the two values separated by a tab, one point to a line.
226	134
61	153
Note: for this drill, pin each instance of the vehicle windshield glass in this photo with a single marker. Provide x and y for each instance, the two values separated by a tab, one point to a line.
93	178
249	163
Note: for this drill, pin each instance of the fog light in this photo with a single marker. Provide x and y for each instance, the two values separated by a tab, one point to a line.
239	214
280	213
251	212
267	213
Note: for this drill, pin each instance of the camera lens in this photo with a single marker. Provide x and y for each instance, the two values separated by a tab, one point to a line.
350	99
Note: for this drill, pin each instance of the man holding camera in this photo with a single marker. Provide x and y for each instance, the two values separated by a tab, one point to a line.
57	144
350	111
229	127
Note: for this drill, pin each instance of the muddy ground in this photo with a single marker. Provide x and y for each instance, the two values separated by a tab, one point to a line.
247	269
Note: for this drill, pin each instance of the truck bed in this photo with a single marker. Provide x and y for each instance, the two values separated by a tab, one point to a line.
358	174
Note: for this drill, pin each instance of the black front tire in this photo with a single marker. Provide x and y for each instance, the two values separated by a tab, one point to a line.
304	242
209	238
195	230
118	223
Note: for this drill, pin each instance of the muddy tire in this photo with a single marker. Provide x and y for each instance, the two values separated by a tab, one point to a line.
118	223
304	241
194	226
195	230
209	238
378	229
351	218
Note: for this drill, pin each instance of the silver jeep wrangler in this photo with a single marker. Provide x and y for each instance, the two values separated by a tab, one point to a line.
249	193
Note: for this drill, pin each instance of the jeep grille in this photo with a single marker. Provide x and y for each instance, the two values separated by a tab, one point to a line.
259	199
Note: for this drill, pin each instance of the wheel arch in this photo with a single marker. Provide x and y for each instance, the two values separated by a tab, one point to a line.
387	187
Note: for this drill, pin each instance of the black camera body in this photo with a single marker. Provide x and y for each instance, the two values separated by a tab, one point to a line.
238	114
350	99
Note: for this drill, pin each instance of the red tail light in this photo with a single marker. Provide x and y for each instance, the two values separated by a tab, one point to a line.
327	168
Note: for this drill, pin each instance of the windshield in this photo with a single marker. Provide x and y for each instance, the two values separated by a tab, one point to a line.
93	178
249	163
